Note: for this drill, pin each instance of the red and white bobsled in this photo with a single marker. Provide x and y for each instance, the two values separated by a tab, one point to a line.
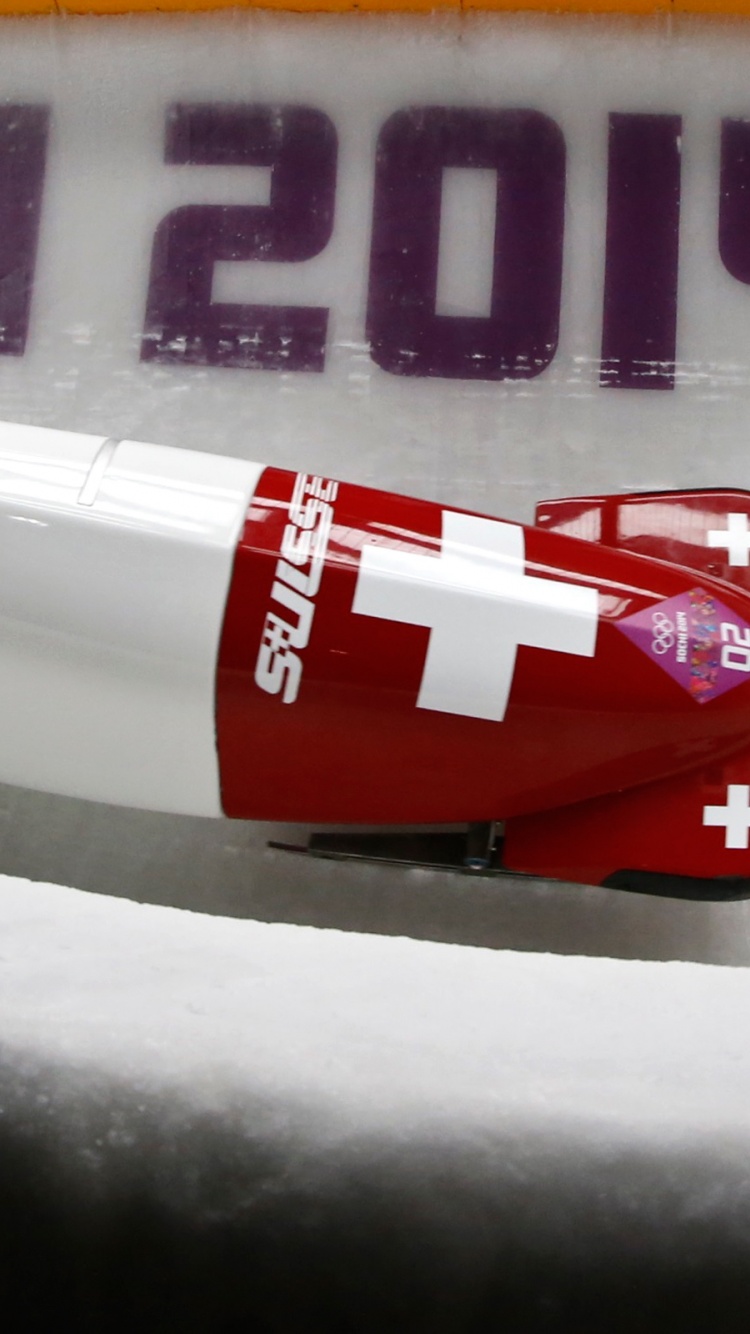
186	632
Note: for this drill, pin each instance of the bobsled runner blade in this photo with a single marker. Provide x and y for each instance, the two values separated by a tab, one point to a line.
454	852
694	888
663	840
474	851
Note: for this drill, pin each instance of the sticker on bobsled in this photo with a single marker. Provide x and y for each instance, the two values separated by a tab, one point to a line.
697	640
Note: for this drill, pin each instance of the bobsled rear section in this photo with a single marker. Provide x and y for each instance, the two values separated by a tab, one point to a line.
687	836
385	660
705	530
683	835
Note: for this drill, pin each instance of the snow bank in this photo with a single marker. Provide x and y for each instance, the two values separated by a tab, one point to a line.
241	1120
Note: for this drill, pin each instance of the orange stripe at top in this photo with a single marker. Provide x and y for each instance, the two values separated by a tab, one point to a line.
717	8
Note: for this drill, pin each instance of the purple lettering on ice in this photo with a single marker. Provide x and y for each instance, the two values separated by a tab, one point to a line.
518	338
23	150
639	328
734	198
183	324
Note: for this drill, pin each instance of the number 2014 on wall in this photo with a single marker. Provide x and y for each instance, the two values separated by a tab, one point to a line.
515	340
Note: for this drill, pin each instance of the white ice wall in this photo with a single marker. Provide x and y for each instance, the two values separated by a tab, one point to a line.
386	1134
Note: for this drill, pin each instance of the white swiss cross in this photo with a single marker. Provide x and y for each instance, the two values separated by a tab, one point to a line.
479	605
735	816
735	537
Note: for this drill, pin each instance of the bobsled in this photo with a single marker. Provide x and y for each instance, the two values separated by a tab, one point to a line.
185	632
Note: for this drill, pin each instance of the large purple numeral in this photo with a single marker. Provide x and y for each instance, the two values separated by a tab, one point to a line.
23	150
639	328
734	199
518	338
183	324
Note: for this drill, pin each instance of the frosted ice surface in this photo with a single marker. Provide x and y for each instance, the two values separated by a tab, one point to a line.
366	1032
219	1114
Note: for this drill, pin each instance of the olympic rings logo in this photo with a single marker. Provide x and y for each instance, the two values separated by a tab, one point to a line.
663	628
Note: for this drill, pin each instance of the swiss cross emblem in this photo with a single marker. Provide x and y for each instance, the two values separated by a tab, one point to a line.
480	606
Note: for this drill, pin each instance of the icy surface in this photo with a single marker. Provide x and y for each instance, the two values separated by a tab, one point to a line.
239	1118
366	1031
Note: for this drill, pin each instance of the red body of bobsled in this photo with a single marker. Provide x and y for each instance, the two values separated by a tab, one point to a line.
387	660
